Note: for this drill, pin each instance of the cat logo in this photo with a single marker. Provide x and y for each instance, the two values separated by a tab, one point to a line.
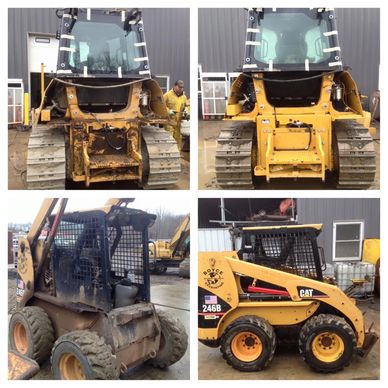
306	292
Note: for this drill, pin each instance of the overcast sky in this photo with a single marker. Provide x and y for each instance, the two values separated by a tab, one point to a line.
25	211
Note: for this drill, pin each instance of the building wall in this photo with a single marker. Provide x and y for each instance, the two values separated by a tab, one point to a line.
327	210
214	240
222	41
311	211
167	34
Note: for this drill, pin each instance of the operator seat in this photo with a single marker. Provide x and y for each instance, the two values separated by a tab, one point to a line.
291	48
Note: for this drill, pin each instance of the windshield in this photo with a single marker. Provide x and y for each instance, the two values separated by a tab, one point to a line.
102	42
103	48
296	38
292	38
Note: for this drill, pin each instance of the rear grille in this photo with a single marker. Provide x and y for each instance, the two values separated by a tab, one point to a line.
127	257
293	251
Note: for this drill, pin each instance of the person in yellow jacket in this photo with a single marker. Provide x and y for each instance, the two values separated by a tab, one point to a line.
175	100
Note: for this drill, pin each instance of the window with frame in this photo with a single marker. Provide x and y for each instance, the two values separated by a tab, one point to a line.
347	240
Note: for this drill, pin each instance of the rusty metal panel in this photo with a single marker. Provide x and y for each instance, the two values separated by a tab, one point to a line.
21	367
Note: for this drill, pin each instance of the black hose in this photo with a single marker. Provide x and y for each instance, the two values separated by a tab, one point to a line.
288	80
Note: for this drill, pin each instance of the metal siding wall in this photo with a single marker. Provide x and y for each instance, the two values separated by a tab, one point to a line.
327	210
167	33
20	22
214	240
222	36
168	40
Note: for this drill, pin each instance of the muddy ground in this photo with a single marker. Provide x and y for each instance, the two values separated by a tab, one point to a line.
17	165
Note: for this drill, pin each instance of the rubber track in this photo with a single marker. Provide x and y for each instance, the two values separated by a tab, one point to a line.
354	155
98	353
163	158
234	156
46	160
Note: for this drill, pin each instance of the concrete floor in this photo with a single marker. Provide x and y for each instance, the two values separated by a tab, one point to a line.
288	365
169	293
208	132
17	160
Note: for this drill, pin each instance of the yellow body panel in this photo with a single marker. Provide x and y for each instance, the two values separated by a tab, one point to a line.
219	274
288	152
45	115
314	226
371	250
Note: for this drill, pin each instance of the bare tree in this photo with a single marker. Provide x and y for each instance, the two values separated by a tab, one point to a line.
165	224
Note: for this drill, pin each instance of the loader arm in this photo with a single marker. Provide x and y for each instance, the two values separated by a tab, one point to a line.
33	252
45	211
179	235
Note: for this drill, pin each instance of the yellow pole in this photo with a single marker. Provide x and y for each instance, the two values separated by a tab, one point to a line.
42	79
26	109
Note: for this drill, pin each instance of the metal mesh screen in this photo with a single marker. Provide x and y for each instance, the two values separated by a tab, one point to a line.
78	251
127	253
292	251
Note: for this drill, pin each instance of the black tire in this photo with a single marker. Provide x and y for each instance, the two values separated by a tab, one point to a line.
257	328
184	269
173	341
159	269
83	355
327	343
35	326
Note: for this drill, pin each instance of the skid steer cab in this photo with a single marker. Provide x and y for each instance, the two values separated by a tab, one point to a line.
272	285
83	293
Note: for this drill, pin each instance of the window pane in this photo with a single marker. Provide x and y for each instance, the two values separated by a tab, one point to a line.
10	97
103	48
220	90
347	249
10	114
207	89
287	38
18	96
220	106
348	231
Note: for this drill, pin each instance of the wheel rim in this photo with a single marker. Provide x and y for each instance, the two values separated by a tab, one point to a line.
246	346
328	346
71	368
20	338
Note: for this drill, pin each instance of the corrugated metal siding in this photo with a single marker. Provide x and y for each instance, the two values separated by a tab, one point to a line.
167	33
222	37
214	240
327	210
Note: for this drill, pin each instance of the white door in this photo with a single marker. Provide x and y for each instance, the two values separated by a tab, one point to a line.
42	48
